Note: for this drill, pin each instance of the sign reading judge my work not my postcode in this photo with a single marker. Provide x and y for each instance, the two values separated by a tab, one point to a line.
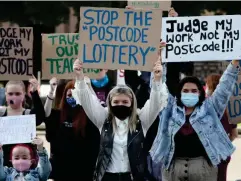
201	38
58	55
114	38
16	48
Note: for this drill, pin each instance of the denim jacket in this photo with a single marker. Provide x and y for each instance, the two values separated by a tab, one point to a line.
41	173
205	120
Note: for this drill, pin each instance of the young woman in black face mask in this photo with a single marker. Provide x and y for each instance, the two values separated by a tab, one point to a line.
122	126
74	139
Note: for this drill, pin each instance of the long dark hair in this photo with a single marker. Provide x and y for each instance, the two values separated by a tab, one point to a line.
79	118
59	92
197	82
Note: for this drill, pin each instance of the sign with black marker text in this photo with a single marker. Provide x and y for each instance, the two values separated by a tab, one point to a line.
114	38
16	47
201	38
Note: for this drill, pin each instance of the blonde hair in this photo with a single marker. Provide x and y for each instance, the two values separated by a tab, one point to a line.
15	82
123	89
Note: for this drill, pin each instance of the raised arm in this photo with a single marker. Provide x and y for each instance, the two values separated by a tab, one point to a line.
38	108
50	97
224	90
44	166
3	170
157	101
90	103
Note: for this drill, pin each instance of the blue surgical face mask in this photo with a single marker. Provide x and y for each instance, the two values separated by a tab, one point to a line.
71	101
189	99
100	83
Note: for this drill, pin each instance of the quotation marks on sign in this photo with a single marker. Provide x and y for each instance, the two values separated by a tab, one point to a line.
85	28
103	27
197	36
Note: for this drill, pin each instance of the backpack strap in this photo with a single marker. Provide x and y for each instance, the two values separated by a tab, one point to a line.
26	111
2	111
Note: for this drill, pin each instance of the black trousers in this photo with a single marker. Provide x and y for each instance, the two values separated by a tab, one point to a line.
117	177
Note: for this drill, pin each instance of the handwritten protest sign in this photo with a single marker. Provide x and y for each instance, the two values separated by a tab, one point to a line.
163	5
17	129
114	38
234	104
201	38
59	51
16	47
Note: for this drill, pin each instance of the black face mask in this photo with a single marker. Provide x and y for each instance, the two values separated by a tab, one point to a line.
121	112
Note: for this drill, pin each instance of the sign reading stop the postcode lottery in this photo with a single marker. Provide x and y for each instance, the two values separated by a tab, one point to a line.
114	38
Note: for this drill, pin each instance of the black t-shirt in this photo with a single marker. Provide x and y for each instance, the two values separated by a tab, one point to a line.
73	156
187	142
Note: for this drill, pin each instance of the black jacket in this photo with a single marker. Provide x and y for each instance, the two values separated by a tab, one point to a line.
135	152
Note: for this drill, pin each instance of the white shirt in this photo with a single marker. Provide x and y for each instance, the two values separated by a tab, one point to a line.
119	157
98	115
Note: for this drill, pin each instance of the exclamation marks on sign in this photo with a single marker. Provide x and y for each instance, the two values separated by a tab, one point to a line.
227	45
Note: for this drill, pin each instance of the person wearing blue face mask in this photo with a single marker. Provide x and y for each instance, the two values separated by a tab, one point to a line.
191	140
102	86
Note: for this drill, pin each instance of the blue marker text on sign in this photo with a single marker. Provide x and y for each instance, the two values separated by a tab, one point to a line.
234	106
116	36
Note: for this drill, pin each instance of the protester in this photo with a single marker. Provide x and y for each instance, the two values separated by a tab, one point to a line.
191	141
231	129
74	140
15	94
59	92
22	158
122	126
28	102
102	86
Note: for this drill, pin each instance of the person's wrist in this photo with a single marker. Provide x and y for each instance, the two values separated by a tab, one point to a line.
80	76
157	79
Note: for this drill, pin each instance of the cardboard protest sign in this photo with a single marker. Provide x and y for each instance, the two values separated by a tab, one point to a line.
201	38
17	129
234	104
114	38
59	51
16	47
163	5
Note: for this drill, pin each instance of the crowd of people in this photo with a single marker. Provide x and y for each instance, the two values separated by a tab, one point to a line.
135	132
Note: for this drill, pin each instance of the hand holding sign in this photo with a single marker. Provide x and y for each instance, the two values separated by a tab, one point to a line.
78	69
39	143
235	62
53	84
157	70
34	85
172	13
